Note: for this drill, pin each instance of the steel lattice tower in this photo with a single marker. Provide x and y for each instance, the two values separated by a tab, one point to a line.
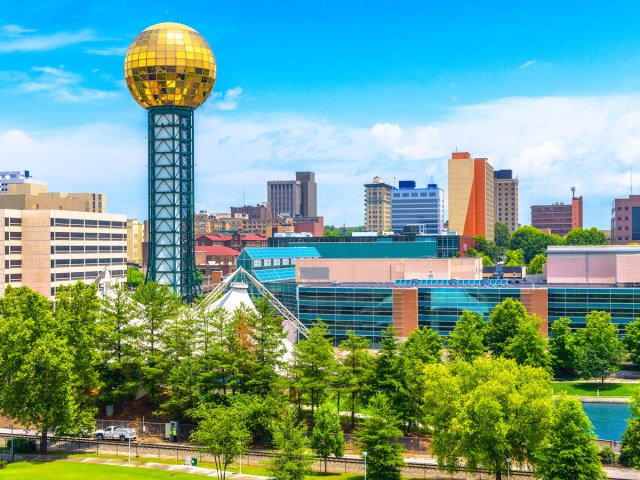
170	70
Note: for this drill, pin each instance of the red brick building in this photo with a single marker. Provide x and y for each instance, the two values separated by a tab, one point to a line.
558	218
625	220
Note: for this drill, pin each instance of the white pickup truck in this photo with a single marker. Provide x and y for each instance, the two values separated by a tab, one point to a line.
117	432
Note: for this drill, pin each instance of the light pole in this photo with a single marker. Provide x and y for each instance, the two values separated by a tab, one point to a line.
508	469
240	448
12	444
129	448
364	455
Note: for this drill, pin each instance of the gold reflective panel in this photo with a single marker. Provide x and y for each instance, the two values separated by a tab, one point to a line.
177	50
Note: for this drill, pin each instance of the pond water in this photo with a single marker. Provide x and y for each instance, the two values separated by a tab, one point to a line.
609	419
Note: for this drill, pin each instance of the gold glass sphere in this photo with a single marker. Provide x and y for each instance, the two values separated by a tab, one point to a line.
170	64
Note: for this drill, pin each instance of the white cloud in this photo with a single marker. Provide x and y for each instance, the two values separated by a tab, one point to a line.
17	39
527	64
109	51
550	143
227	100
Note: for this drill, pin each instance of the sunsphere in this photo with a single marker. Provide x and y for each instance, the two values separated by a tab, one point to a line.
170	64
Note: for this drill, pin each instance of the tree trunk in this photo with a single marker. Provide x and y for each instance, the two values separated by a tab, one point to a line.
353	410
43	441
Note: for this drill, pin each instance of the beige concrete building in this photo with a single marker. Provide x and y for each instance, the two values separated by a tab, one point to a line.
377	206
506	198
43	249
386	270
471	196
135	237
36	196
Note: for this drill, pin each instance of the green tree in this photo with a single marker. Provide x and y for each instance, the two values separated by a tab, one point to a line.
119	337
157	306
356	370
327	437
532	241
631	339
466	342
536	263
529	346
40	380
597	348
501	234
515	258
379	437
561	345
631	436
314	364
422	346
223	433
590	236
570	450
504	323
134	277
386	362
292	460
484	412
266	336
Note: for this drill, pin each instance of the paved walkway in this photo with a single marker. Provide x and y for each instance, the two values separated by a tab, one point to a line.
203	472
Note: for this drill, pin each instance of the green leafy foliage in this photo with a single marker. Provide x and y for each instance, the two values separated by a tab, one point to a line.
561	345
466	342
504	323
356	371
484	412
631	339
379	438
532	241
501	234
327	437
569	450
134	277
590	236
596	348
529	346
536	263
223	433
515	258
631	436
292	460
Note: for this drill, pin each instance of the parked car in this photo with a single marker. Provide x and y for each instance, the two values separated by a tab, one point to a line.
116	432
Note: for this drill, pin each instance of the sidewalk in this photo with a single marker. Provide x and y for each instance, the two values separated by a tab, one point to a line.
203	472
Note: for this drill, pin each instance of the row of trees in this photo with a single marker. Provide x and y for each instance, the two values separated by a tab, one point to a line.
61	360
526	245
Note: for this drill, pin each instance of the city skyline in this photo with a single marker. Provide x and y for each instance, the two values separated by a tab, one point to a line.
347	91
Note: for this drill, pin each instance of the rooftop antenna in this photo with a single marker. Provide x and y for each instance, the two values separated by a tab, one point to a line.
573	192
243	201
631	187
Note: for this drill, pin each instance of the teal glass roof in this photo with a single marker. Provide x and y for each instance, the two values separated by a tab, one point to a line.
284	252
275	274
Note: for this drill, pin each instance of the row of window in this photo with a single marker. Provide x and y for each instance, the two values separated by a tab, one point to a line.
57	277
12	222
14	277
80	262
414	194
13	235
12	249
87	236
12	264
77	222
81	249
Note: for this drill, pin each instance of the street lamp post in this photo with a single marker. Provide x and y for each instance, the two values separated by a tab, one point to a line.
364	455
508	469
12	444
240	447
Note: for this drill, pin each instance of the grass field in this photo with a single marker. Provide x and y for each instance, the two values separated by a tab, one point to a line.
80	471
589	389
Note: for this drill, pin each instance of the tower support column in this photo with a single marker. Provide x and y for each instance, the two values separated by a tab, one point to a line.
171	200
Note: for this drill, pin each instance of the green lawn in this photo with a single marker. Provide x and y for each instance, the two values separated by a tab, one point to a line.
81	471
589	389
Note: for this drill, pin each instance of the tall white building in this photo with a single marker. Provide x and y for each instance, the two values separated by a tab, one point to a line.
43	249
417	206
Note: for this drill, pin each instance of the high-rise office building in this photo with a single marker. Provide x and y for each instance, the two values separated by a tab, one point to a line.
558	218
377	206
135	238
293	198
471	196
625	220
308	194
423	207
506	198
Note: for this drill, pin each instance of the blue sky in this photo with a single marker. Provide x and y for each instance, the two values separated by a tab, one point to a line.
348	89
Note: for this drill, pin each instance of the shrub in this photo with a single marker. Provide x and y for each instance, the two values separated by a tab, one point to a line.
22	445
606	454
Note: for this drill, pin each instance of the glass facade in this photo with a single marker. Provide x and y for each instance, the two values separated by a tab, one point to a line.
366	311
622	303
418	249
440	307
423	206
